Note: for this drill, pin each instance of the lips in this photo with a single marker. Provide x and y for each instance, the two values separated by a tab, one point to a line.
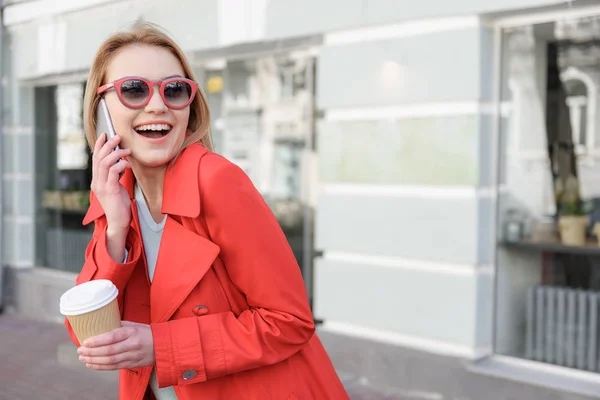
154	130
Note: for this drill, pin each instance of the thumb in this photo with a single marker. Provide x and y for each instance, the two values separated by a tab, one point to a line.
129	323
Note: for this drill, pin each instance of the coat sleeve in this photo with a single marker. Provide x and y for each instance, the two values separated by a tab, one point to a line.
261	265
100	265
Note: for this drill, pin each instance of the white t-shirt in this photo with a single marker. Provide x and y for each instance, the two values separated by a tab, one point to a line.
151	236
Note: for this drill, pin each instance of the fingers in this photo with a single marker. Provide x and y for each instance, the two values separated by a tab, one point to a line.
110	367
110	162
100	140
127	347
99	143
114	173
129	323
107	360
114	336
110	351
104	147
107	350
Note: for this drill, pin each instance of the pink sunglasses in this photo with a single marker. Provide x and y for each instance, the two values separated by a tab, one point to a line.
136	92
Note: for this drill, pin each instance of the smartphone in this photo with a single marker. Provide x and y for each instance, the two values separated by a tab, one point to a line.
103	122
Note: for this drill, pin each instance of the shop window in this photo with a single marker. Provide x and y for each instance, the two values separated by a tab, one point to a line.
548	258
264	121
63	176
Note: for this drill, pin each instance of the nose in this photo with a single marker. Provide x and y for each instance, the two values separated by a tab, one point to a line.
156	104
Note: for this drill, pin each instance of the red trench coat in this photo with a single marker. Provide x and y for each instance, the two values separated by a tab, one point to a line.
227	304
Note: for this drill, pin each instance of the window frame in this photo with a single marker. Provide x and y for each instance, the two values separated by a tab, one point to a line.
491	363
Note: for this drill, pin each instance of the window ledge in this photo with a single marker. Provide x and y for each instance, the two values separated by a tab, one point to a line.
540	374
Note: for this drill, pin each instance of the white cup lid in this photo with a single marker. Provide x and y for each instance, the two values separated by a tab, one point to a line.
87	297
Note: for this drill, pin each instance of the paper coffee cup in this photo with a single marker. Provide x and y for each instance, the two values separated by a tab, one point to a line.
91	308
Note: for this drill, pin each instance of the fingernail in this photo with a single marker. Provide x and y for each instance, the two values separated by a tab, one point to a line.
81	358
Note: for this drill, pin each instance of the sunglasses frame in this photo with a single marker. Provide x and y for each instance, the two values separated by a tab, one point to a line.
151	84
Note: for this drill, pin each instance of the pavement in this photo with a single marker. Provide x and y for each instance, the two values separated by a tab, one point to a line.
39	361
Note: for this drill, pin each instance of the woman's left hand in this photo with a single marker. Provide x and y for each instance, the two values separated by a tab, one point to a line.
130	346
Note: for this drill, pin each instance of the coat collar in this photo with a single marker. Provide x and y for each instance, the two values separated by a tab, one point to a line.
181	192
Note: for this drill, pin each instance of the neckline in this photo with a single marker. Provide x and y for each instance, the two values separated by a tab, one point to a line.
145	211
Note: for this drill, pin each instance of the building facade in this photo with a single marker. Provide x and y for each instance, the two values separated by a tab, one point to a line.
412	151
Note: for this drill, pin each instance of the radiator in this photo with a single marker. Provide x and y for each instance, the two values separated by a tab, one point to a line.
562	327
65	248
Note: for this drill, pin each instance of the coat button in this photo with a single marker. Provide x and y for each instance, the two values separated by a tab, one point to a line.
200	310
189	374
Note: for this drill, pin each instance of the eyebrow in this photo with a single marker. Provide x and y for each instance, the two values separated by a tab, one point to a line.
172	76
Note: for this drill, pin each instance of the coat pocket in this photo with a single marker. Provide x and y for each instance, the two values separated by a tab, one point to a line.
135	371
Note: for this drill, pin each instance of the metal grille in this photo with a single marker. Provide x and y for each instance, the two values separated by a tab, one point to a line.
66	248
562	327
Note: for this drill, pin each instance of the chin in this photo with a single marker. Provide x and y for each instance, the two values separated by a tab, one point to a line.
154	158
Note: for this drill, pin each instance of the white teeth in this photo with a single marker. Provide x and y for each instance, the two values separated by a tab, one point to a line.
153	127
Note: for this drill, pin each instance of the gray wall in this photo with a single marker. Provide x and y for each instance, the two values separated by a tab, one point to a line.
443	147
440	229
407	238
351	75
293	18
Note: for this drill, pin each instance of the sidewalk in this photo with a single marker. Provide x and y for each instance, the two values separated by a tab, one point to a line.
39	362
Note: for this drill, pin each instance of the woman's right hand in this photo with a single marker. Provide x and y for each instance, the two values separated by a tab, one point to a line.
107	166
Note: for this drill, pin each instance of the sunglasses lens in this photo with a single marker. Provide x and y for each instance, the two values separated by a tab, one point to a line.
134	92
177	93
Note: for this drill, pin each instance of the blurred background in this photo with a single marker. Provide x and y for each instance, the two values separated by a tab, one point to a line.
434	164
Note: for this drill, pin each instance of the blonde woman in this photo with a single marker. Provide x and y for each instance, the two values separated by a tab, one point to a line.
212	300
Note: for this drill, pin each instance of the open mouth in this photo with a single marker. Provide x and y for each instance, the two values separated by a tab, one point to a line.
154	131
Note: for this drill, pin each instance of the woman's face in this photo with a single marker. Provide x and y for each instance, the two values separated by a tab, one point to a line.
154	133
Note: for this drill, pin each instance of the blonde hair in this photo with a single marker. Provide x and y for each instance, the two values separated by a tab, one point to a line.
143	33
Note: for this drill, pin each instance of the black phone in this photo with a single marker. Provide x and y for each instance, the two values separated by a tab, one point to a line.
104	122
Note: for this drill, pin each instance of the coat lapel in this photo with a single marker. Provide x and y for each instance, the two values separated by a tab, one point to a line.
181	193
184	258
